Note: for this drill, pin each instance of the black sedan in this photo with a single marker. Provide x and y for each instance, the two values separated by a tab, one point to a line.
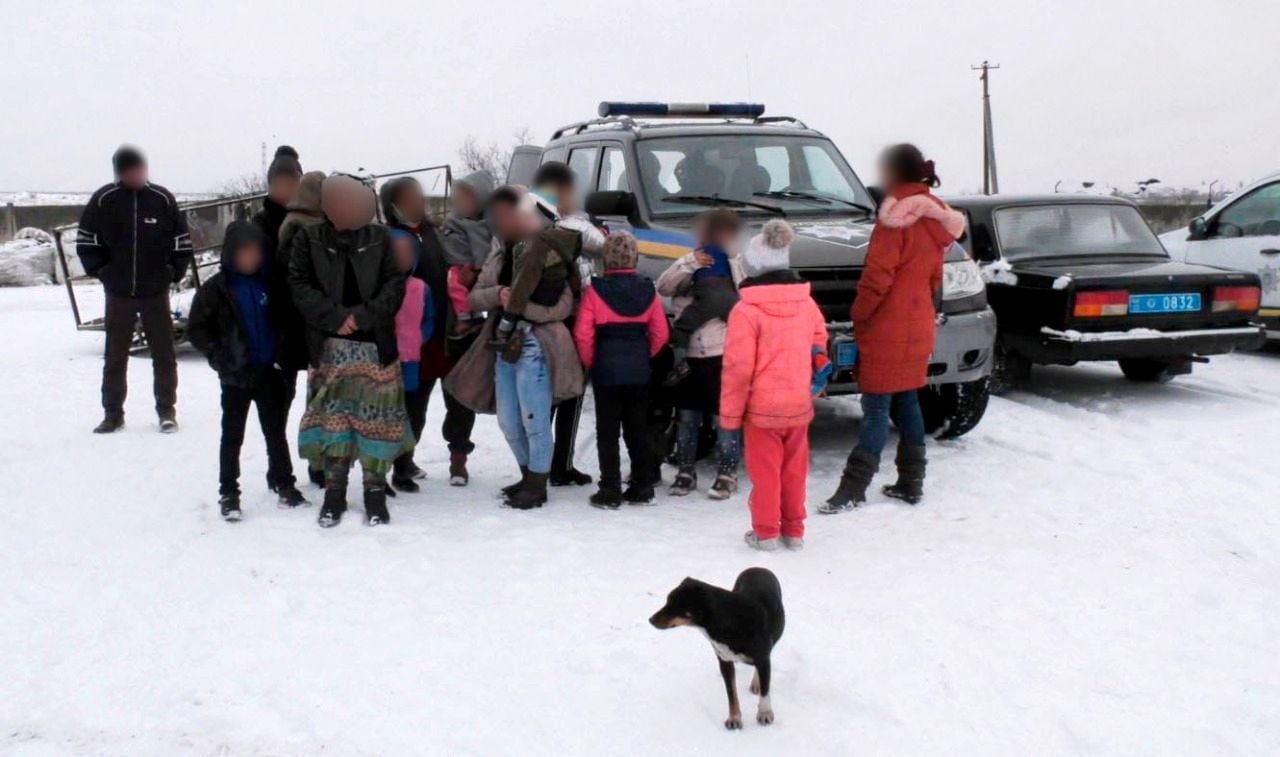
1076	278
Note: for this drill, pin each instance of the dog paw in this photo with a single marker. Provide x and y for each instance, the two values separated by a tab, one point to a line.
734	723
764	717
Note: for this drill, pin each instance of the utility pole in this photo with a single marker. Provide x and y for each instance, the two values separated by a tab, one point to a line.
990	185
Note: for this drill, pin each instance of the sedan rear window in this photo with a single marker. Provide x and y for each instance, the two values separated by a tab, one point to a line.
1032	231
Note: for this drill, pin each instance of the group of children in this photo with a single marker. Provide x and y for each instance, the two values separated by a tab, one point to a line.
774	359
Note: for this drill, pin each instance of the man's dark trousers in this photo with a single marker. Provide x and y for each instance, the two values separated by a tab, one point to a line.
122	314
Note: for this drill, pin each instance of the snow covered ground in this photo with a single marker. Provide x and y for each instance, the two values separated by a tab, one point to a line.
1095	570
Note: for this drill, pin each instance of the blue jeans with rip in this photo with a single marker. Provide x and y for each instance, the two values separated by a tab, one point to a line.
876	408
728	443
523	392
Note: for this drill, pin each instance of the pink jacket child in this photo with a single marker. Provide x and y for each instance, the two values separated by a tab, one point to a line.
415	320
773	335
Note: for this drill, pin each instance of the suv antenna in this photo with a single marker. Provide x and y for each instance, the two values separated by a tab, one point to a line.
990	185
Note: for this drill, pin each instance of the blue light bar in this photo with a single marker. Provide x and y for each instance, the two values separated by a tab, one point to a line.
682	110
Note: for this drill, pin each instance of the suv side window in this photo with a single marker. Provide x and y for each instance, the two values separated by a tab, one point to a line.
554	155
582	161
613	171
1256	214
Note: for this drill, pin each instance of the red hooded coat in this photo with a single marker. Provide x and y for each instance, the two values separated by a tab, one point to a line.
893	315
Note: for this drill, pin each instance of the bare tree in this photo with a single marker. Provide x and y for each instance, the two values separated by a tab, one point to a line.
491	157
244	184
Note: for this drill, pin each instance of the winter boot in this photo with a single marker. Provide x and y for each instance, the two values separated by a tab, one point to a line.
793	543
229	504
764	545
532	494
638	494
109	425
510	490
375	503
852	491
607	498
335	493
910	485
402	474
725	486
570	477
288	496
168	423
458	475
686	482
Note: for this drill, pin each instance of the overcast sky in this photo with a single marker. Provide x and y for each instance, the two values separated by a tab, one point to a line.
1110	91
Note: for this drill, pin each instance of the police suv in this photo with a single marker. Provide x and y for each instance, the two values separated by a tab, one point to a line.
650	168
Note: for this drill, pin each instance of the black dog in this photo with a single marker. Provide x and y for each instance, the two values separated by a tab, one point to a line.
743	625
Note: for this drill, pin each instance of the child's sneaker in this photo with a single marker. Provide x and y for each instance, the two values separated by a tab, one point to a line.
764	545
638	495
229	504
683	485
289	497
793	543
725	486
607	498
458	475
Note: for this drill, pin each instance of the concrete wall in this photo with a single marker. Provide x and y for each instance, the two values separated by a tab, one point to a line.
14	217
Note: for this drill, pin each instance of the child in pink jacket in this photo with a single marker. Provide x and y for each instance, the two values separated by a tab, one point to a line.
415	325
619	328
776	336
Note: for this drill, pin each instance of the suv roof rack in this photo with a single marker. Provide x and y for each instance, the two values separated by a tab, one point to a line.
633	116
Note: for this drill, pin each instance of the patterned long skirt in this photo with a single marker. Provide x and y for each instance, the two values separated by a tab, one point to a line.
355	408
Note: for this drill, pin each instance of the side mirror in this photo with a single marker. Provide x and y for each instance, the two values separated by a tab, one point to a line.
615	203
1199	228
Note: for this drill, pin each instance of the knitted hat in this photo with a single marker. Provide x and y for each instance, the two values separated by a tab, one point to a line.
286	151
620	251
126	157
770	250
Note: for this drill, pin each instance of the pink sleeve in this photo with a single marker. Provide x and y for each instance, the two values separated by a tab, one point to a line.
659	332
739	364
409	321
458	293
584	327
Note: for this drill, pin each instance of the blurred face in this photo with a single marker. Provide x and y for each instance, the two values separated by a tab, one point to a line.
463	202
506	221
134	178
722	237
404	252
283	188
411	205
888	178
566	200
248	259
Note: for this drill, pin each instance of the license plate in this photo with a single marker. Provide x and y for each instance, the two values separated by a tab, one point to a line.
846	354
1164	303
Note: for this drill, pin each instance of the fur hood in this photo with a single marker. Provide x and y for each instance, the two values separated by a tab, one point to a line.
899	213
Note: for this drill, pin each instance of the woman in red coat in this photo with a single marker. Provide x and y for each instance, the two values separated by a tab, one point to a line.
894	320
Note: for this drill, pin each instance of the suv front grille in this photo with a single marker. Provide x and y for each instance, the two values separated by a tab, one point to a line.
833	289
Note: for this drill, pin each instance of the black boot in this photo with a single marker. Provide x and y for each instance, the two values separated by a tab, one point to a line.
110	424
852	491
570	477
335	493
288	496
532	494
510	490
375	503
229	504
910	485
402	471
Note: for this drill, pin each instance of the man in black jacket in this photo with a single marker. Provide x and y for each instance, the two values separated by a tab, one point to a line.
133	238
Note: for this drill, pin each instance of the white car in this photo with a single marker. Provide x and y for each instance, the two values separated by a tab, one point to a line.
1241	232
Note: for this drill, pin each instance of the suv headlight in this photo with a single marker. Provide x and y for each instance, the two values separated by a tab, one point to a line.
960	279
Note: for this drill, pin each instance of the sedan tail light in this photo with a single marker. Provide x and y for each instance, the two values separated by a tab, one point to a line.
1236	299
1098	304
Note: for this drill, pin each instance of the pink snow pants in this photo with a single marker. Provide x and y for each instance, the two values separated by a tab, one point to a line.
778	463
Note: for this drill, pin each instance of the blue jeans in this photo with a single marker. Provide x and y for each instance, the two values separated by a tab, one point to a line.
875	421
523	392
728	443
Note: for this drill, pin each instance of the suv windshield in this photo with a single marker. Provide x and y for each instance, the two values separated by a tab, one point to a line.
753	173
1042	231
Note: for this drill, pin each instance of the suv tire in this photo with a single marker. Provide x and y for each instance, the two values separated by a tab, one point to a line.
1009	370
953	410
